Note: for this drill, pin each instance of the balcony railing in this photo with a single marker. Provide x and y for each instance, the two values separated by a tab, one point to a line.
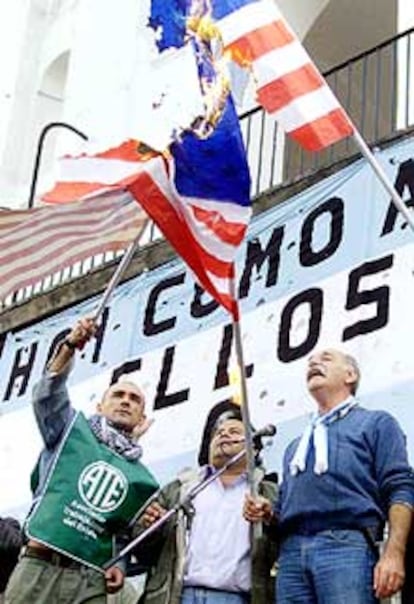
375	87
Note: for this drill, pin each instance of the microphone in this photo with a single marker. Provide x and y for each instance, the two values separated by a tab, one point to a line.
267	430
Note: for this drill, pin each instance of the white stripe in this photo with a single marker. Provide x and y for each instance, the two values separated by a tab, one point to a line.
247	19
207	239
279	62
221	284
99	170
306	109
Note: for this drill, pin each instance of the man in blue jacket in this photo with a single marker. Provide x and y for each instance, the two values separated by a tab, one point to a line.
343	479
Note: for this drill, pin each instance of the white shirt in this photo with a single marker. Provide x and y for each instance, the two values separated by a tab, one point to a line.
218	552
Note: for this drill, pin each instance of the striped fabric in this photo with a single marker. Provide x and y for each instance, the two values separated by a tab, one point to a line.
198	196
289	85
36	243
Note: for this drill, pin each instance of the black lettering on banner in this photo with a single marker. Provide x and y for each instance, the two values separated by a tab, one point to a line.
222	373
21	369
379	296
124	369
151	327
405	178
314	298
198	309
308	256
163	399
100	335
2	342
255	257
58	338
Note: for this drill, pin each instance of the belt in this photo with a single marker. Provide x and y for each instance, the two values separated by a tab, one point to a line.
49	555
239	596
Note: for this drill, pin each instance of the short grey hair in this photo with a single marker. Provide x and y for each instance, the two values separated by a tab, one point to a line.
354	364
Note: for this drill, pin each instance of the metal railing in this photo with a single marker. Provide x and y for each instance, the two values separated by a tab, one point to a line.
375	87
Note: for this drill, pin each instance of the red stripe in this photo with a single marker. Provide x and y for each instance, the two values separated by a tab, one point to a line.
324	131
174	227
64	192
258	42
228	232
176	231
281	92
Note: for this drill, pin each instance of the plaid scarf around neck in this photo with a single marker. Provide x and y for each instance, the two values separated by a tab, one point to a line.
118	440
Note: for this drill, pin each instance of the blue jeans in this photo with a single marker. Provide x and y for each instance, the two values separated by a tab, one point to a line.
331	567
199	595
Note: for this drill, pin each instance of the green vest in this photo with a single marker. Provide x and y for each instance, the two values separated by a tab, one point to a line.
90	493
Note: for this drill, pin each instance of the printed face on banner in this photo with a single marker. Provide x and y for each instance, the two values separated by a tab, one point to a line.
332	268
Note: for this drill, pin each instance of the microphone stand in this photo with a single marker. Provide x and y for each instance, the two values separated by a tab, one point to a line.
182	504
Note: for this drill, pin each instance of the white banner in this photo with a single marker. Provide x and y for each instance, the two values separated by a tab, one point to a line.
332	266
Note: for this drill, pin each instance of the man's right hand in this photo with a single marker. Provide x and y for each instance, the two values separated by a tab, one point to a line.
154	512
82	332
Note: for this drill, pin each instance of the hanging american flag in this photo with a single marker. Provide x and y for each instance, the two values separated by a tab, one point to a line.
34	244
289	85
198	196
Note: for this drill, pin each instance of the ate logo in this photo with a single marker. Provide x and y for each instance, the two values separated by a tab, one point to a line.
102	486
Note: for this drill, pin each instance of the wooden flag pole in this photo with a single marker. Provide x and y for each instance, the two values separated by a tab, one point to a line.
396	198
244	405
125	260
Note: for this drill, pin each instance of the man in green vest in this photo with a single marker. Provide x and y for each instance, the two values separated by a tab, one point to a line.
88	485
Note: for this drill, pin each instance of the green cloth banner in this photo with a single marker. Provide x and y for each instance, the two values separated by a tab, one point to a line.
90	493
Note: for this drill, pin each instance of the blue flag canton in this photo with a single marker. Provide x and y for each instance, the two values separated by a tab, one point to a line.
169	19
214	168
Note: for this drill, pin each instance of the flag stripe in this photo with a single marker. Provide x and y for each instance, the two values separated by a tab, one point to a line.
227	232
324	131
306	109
260	42
278	93
281	62
112	169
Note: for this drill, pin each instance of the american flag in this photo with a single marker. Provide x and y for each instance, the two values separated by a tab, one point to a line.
35	244
198	195
289	85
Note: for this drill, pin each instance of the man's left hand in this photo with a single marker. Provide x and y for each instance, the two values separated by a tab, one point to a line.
389	573
114	579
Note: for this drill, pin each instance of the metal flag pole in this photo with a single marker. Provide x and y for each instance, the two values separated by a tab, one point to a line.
125	260
396	198
257	528
183	503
